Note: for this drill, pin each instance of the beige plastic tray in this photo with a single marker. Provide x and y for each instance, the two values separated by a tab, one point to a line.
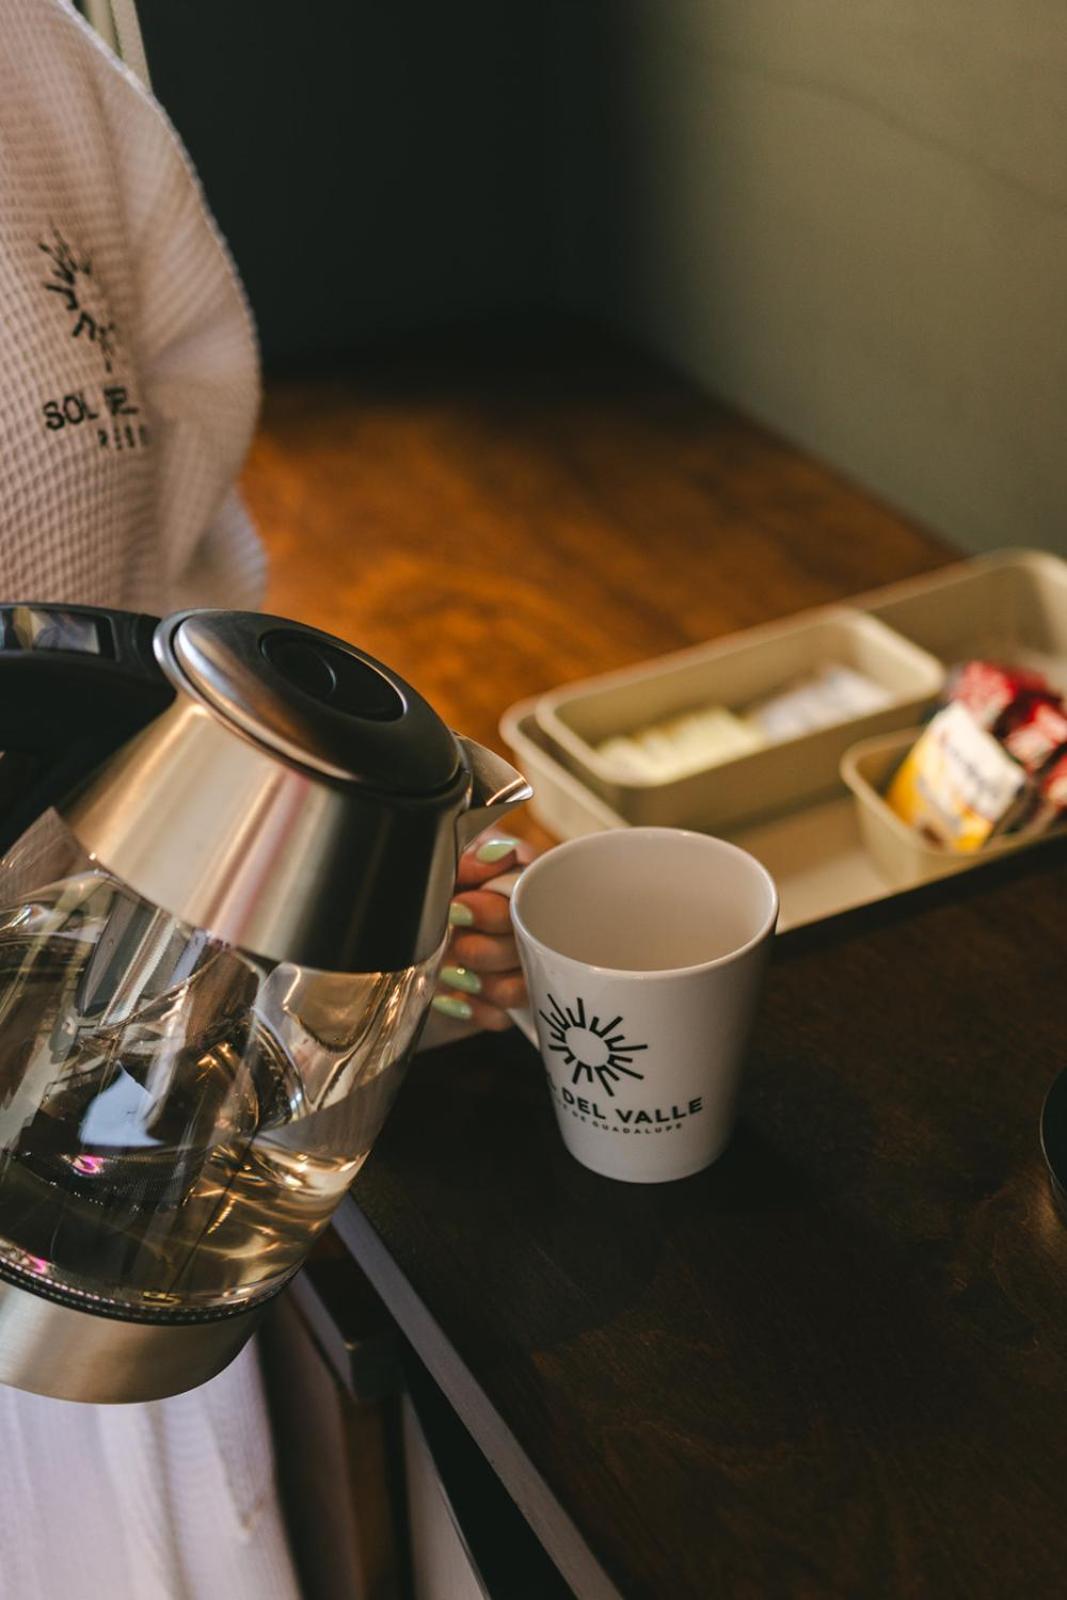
735	672
1009	606
561	802
901	854
846	848
815	855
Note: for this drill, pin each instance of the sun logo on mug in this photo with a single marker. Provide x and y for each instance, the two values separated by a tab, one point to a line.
591	1047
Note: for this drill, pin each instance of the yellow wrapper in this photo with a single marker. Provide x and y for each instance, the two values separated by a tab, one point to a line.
956	785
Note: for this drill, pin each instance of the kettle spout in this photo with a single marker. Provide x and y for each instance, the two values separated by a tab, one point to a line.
496	789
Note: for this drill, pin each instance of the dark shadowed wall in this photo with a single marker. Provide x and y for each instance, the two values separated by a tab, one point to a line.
373	166
847	218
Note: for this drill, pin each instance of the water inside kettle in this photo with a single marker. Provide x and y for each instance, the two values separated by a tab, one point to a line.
177	1122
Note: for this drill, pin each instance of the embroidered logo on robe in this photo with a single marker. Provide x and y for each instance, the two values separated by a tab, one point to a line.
71	278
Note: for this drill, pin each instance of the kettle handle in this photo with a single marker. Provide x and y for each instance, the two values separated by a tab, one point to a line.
75	683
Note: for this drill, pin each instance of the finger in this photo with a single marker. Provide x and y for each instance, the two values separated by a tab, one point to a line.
469	1008
483	952
490	1017
489	858
483	909
505	990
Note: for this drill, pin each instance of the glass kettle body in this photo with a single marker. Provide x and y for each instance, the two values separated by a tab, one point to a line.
187	1088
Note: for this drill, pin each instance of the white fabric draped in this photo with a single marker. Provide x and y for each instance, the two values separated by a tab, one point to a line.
128	393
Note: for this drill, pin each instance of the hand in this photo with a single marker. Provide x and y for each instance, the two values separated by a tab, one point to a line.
481	980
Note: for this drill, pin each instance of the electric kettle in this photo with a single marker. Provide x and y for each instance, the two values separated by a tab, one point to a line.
230	843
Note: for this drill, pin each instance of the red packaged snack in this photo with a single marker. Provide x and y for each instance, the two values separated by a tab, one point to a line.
988	689
1052	792
1033	729
1054	784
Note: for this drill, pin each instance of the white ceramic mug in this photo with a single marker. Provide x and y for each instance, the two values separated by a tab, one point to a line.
644	950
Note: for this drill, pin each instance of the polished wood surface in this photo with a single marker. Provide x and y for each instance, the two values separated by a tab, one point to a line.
493	521
833	1364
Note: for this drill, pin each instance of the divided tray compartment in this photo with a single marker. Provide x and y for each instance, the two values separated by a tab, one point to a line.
834	844
736	672
901	854
814	853
561	802
1009	606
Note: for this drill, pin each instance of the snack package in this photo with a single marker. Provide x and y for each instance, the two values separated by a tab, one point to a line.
1053	791
957	785
987	689
1033	729
668	750
832	694
1050	803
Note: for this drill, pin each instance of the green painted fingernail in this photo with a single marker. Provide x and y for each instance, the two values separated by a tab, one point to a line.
459	915
495	849
450	1005
461	978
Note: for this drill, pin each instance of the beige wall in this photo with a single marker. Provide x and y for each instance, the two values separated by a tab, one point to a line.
849	218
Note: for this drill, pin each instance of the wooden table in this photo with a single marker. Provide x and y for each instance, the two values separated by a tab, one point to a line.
835	1364
494	523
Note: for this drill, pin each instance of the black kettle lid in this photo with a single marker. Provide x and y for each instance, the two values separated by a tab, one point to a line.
311	699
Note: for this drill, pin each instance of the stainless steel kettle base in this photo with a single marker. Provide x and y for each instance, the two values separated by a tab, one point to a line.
54	1349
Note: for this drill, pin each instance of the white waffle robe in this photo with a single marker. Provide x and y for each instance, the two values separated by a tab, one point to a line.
128	393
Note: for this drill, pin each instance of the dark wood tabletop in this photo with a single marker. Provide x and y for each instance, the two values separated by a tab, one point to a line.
834	1364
